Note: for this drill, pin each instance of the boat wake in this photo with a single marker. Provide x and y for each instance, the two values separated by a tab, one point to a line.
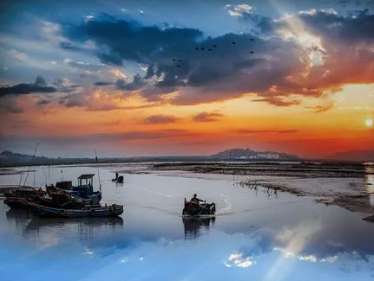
225	210
249	210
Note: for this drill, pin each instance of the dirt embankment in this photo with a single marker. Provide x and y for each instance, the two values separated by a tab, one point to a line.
292	169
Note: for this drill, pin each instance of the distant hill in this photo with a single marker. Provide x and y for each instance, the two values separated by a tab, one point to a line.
357	155
249	154
7	157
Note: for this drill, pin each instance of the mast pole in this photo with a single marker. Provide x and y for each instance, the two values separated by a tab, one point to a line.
98	171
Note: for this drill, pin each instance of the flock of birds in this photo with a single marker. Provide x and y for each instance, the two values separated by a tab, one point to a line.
178	62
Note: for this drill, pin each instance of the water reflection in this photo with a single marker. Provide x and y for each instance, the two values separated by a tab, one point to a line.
251	238
86	228
194	226
19	216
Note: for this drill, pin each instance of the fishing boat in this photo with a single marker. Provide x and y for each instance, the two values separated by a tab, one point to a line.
88	211
21	198
197	209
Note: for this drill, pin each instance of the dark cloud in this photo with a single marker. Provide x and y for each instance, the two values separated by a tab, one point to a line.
160	119
207	117
39	86
121	40
176	57
358	27
69	46
103	83
204	69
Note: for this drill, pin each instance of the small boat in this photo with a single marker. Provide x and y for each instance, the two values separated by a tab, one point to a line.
88	211
198	209
118	179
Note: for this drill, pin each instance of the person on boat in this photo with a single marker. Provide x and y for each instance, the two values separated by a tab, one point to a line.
196	200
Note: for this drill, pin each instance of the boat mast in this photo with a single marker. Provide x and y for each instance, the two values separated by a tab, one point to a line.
33	157
98	170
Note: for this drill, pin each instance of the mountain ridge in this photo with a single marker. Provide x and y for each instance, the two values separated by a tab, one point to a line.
249	154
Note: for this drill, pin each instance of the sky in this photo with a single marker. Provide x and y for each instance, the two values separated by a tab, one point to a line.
136	78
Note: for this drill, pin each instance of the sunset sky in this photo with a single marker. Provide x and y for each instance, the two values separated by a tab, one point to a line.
134	78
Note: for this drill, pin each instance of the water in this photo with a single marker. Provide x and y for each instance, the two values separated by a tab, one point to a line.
256	235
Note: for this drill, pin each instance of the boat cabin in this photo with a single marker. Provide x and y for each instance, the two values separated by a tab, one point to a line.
85	182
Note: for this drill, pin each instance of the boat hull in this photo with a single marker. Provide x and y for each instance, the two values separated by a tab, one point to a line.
107	211
17	202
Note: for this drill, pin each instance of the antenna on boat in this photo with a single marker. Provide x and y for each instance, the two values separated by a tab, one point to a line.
98	170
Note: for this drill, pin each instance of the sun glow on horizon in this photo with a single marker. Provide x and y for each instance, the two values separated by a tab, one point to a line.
369	122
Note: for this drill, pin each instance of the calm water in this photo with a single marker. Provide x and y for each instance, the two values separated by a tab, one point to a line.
255	236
